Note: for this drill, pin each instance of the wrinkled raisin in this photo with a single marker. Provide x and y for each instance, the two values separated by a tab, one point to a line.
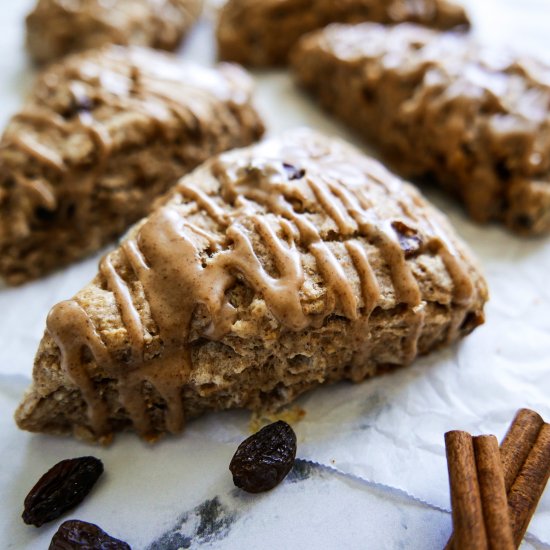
408	238
75	534
523	221
293	172
61	488
472	321
264	459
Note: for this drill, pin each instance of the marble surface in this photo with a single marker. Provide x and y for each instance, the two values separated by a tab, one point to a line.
372	470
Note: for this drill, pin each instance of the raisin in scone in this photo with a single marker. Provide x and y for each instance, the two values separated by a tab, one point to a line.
103	134
443	108
262	32
264	273
58	27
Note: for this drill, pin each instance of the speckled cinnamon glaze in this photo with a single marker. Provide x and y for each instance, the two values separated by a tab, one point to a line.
266	272
439	106
102	135
56	28
262	32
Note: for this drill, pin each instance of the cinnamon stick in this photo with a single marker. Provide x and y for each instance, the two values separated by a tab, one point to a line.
529	485
467	513
493	493
518	442
525	457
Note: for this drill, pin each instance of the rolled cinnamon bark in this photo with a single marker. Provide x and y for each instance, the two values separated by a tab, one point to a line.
529	485
468	523
518	442
493	493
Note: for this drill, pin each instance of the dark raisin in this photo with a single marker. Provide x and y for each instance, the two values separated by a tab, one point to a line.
44	214
71	209
83	104
502	170
472	321
292	172
60	489
523	221
75	534
409	240
369	94
264	459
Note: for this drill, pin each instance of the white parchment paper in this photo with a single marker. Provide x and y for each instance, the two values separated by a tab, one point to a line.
372	472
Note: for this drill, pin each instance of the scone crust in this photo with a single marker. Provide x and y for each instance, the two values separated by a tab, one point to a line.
266	272
103	134
262	32
443	108
56	28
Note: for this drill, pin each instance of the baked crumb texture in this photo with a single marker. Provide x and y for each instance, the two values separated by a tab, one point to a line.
442	108
262	32
102	135
266	272
56	28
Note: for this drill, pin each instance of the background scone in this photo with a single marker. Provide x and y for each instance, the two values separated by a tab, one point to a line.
57	27
441	107
102	135
264	273
262	32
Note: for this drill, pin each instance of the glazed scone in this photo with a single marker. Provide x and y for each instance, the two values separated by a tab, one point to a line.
262	32
441	107
266	272
104	133
56	28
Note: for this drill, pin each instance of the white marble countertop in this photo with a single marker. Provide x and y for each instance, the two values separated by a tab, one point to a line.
371	473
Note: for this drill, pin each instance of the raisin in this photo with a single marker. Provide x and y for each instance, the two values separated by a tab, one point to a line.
523	221
75	534
369	93
60	489
292	172
408	238
44	214
264	459
471	322
82	104
502	170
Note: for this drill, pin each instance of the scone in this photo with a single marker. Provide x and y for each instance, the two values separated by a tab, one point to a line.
102	135
264	273
442	108
58	27
262	32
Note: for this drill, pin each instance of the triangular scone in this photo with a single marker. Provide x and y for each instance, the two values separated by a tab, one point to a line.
262	32
103	134
266	272
56	27
474	119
